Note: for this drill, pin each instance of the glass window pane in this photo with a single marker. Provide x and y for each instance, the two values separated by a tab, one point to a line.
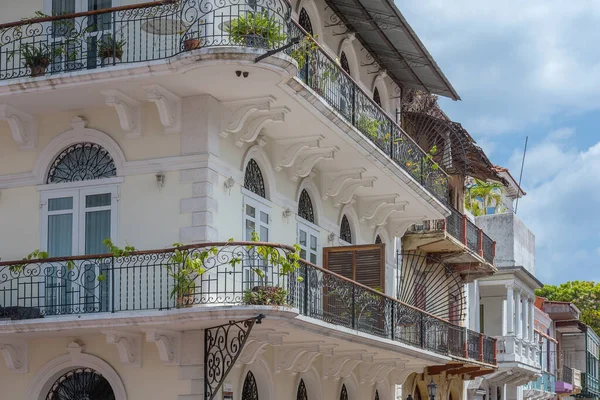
250	227
63	203
250	211
302	238
264	234
313	242
98	200
60	235
97	228
303	254
313	258
264	217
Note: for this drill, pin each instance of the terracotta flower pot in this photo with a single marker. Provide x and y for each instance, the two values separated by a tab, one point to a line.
192	44
39	69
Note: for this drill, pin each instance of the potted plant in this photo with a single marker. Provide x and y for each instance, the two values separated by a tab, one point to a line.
36	57
305	51
283	263
110	50
256	29
184	267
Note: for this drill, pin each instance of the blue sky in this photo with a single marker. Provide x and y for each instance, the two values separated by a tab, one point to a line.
530	68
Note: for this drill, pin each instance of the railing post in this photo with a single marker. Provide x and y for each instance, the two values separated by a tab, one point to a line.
495	351
421	331
391	140
466	346
464	230
393	320
480	242
112	283
114	37
353	115
481	357
353	306
305	281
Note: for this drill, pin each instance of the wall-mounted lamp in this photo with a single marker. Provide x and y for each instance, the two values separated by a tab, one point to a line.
331	237
160	180
229	183
432	389
287	213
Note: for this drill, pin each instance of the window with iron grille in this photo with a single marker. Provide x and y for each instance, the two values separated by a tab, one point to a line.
250	390
376	97
305	207
344	393
81	383
344	63
304	21
81	162
345	231
253	179
301	394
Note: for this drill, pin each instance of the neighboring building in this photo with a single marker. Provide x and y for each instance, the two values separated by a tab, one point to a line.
169	122
503	306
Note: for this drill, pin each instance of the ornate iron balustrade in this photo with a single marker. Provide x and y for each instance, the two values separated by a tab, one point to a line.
489	350
232	272
137	33
474	348
567	374
590	386
463	230
328	79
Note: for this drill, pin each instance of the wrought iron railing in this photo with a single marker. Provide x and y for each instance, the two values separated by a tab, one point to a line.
232	273
489	350
545	382
459	227
326	77
590	385
566	374
138	33
474	348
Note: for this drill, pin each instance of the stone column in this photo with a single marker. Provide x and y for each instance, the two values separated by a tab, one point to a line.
510	310
531	318
525	332
519	314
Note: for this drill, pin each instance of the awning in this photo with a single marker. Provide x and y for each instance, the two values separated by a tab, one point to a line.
383	31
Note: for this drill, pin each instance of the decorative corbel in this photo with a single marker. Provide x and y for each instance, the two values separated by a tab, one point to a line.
298	357
168	344
384	212
23	126
169	107
340	365
256	344
129	346
333	182
369	205
347	193
236	113
287	150
309	158
257	122
16	355
128	110
397	227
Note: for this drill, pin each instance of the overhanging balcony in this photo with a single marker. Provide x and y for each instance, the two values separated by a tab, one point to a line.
463	244
230	274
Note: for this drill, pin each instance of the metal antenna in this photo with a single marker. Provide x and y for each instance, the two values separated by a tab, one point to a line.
519	191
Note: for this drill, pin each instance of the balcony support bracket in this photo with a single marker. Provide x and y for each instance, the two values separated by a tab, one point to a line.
168	344
269	53
236	113
257	122
333	182
128	110
223	345
16	355
299	357
309	158
288	150
340	365
347	193
23	126
169	107
129	346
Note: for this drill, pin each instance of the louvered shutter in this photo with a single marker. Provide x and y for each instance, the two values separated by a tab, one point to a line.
364	264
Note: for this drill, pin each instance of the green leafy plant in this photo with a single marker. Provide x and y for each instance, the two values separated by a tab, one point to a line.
115	251
304	51
266	296
483	195
37	57
369	126
184	267
34	255
108	47
256	29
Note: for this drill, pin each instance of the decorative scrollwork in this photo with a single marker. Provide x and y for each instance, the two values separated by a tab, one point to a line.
81	384
253	179
222	347
345	230
304	21
305	207
82	162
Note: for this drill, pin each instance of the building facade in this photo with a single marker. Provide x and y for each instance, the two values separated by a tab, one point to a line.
158	161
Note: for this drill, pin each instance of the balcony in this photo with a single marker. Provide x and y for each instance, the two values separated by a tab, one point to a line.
542	388
224	274
566	379
463	242
590	386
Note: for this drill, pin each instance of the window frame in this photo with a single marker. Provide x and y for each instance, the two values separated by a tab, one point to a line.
311	229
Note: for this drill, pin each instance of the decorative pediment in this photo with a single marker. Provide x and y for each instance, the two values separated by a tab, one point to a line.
169	107
168	344
236	113
288	150
350	187
333	182
298	357
128	110
16	355
308	159
129	346
23	126
257	121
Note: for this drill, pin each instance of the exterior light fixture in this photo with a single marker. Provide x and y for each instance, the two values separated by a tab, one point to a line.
160	180
432	389
409	397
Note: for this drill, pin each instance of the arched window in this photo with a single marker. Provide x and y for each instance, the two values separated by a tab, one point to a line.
378	240
343	393
345	231
305	208
81	162
304	21
301	394
81	383
253	179
250	390
376	97
498	393
376	394
344	62
417	394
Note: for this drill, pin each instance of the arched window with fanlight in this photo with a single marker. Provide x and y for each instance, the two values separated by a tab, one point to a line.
250	389
376	97
253	179
308	235
344	63
345	230
75	220
376	394
81	383
344	393
304	21
301	393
